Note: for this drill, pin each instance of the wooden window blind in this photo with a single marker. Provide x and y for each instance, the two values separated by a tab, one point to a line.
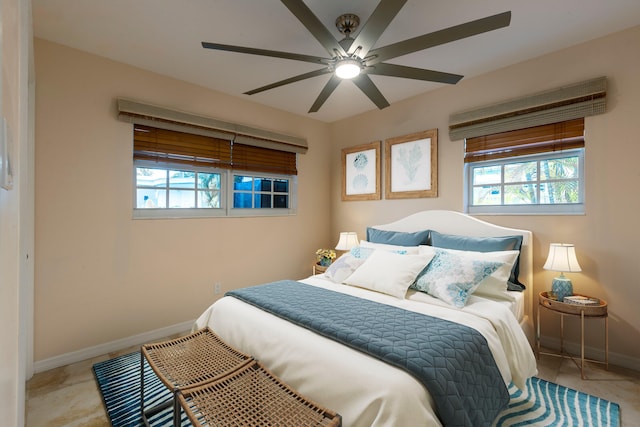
258	159
534	140
163	145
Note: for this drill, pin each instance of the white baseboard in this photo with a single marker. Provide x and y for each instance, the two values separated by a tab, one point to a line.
109	347
592	353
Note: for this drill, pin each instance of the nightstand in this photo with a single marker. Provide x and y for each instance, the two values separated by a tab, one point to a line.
582	311
319	269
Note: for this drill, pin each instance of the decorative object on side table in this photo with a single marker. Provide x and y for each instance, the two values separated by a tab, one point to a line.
347	240
562	258
325	256
581	300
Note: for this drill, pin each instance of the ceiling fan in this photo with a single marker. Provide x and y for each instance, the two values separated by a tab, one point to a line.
355	59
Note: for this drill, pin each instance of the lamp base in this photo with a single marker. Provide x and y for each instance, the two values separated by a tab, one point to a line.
562	287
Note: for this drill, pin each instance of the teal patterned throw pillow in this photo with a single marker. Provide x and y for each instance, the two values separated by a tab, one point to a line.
453	278
364	253
360	252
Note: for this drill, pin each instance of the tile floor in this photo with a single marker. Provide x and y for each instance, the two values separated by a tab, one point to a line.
68	396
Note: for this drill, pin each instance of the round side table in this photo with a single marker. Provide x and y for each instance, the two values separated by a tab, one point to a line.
319	269
597	311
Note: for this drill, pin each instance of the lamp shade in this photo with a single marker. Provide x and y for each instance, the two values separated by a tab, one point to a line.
348	240
562	258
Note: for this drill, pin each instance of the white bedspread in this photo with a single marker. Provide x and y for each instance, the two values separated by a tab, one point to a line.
363	390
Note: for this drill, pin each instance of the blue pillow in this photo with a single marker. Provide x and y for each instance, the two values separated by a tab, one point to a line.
484	244
399	238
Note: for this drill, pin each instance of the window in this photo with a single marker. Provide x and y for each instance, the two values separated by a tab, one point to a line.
534	170
254	192
177	188
183	175
549	183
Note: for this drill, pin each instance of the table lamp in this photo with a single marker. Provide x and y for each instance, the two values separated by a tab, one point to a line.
562	258
348	240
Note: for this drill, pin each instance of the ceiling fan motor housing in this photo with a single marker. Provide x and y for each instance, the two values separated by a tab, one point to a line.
347	23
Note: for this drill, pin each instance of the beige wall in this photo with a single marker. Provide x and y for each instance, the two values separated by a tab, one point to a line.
606	238
102	276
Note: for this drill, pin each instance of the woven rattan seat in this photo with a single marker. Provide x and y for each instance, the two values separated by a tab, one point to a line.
188	361
252	396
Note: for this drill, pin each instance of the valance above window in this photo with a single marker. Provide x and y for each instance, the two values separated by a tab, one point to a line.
179	121
558	105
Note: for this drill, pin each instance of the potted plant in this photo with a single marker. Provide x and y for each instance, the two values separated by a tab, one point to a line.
325	256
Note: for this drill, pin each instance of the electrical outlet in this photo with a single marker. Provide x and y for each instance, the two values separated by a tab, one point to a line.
217	288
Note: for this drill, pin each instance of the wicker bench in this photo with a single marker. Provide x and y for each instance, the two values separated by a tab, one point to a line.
188	361
252	396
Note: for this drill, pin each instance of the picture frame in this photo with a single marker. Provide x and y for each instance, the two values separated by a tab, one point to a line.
411	165
361	172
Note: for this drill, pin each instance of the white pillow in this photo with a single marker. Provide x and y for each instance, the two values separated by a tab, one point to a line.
343	267
388	272
409	250
494	285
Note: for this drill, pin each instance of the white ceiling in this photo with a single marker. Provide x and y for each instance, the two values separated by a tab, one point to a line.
164	36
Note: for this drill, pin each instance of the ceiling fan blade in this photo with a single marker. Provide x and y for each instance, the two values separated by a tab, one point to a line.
375	25
394	70
369	88
436	38
327	90
294	79
314	26
265	52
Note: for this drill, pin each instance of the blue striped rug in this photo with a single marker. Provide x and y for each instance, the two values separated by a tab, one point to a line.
547	404
119	383
541	404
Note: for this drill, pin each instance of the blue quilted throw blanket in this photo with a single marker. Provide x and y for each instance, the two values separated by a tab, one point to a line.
452	361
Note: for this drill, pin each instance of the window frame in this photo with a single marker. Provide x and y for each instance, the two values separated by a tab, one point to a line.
528	209
226	194
247	212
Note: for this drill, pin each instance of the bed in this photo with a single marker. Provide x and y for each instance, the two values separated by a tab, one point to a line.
363	389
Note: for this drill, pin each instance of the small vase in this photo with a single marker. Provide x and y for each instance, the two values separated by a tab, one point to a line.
325	262
562	287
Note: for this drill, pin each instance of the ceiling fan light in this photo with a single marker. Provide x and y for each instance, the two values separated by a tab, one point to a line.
347	68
